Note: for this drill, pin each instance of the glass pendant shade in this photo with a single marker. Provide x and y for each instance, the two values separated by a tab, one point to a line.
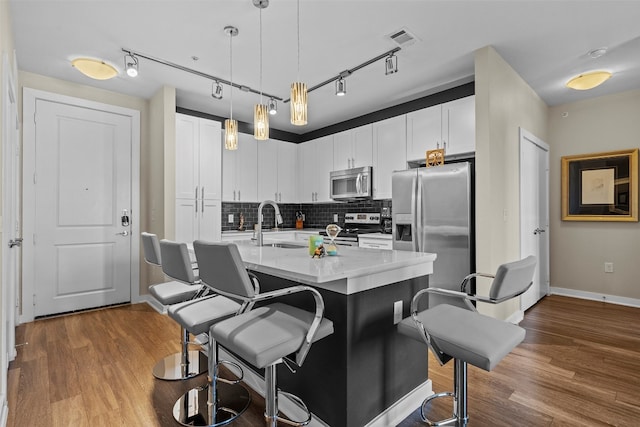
260	122
231	134
95	68
298	103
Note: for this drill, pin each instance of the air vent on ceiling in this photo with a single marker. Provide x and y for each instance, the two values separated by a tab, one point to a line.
403	37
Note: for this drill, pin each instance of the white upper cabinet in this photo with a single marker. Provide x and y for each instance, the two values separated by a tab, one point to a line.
240	171
450	126
198	158
424	131
461	120
353	148
277	171
389	153
315	162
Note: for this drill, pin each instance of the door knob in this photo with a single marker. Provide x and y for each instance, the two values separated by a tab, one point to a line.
15	242
538	231
123	233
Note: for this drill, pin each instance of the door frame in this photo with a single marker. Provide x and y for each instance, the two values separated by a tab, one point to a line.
30	96
526	137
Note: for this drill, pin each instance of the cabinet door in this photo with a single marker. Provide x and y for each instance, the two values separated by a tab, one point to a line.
187	131
389	153
209	159
267	170
186	220
324	166
209	220
306	171
424	131
343	150
362	146
247	168
287	173
459	117
229	186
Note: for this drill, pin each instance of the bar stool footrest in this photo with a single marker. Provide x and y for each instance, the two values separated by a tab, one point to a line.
300	403
170	368
453	421
193	408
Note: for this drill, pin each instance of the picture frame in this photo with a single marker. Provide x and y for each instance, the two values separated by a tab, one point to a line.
600	186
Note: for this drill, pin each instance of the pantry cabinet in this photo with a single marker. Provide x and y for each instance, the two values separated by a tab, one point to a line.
389	153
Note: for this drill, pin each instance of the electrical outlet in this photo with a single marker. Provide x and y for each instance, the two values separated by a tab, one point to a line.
230	219
608	267
335	217
397	312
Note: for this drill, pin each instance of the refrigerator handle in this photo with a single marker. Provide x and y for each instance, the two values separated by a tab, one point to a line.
358	184
419	220
414	210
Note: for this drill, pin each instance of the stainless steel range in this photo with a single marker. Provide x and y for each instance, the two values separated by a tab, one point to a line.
354	225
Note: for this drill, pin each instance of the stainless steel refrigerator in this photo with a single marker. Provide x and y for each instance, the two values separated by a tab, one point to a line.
432	212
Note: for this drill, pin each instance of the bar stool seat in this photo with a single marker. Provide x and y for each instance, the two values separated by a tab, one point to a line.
169	293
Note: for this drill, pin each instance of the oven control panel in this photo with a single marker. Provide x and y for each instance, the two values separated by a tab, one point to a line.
362	218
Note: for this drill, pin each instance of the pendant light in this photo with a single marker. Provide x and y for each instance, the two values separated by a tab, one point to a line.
260	115
298	89
231	125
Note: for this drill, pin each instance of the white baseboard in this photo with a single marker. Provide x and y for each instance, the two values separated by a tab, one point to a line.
154	304
404	407
516	317
391	416
4	413
613	299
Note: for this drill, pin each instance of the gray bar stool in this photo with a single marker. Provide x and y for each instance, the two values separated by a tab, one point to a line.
467	336
171	367
196	317
264	336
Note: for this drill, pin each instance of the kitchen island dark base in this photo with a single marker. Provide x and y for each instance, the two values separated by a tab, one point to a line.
355	374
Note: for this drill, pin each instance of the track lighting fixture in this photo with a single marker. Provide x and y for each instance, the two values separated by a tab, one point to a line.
341	87
273	107
391	64
131	65
216	90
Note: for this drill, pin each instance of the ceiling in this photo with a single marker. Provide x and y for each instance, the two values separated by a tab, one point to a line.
546	42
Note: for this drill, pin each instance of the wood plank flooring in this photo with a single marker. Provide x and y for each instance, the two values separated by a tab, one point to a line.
578	366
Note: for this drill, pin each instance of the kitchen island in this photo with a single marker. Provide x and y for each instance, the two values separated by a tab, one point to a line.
358	375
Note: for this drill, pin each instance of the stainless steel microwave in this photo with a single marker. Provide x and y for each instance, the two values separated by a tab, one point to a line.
351	184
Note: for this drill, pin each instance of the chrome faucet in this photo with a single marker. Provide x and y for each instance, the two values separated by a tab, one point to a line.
259	240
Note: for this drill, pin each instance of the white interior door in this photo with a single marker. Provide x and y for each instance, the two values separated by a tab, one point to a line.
81	247
534	213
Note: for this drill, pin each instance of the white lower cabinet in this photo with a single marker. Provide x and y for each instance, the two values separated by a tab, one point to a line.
198	219
375	242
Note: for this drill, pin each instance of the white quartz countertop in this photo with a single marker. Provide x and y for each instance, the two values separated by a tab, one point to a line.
351	270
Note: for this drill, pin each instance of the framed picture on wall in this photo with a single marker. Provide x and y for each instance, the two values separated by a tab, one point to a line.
600	186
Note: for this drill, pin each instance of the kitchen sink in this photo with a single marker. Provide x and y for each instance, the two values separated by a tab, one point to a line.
286	245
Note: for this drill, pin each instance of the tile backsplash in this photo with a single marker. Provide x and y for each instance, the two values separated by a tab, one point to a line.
317	215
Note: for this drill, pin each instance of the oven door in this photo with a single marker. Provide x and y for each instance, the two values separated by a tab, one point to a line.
350	184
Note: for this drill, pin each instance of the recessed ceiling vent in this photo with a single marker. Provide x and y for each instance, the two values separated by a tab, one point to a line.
403	37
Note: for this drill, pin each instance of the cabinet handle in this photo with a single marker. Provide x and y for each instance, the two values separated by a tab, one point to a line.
234	195
239	198
280	197
196	193
353	162
196	213
444	145
202	193
202	210
275	196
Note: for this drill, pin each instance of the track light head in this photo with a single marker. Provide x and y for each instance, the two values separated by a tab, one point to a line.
216	91
131	65
391	64
273	107
341	87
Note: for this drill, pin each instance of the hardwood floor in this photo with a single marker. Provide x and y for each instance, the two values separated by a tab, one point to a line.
578	366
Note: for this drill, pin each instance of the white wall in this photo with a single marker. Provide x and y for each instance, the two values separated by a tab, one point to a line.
579	249
504	102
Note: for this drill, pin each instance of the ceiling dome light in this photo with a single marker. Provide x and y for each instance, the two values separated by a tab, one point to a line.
589	80
95	68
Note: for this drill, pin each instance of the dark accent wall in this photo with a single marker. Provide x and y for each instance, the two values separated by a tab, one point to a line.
452	94
317	215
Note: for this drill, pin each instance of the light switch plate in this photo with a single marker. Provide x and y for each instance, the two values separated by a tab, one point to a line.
230	220
335	217
397	312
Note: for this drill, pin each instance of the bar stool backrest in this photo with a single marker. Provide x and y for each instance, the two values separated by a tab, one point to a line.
513	278
221	268
176	262
151	249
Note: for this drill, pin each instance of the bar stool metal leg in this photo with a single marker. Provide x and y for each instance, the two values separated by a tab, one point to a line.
216	403
181	366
